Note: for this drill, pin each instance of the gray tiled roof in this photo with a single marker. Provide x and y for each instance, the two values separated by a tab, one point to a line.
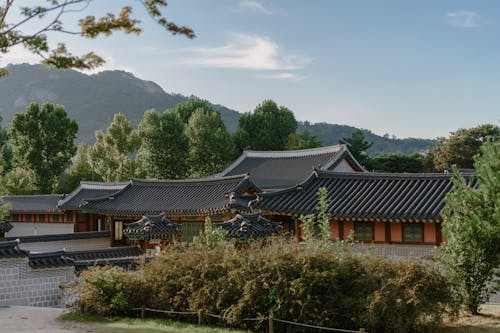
245	226
46	203
5	226
89	190
365	195
10	249
49	260
176	197
107	253
280	169
152	227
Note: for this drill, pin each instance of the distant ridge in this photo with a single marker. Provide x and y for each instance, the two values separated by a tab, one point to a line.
92	100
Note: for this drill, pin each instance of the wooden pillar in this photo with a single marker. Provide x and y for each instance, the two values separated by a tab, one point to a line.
341	229
439	237
112	230
387	232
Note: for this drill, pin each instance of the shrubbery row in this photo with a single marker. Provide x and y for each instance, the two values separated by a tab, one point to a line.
308	283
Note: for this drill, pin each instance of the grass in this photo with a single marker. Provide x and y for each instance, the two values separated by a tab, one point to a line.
134	325
488	321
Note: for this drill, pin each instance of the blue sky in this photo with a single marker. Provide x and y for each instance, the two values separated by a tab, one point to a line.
412	69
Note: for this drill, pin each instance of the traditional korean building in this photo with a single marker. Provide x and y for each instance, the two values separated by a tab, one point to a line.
250	226
271	170
36	215
385	208
187	202
71	202
153	230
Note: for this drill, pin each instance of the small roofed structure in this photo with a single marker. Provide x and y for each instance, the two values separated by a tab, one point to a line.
250	226
153	229
5	226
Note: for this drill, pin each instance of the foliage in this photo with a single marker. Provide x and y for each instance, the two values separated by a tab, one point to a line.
460	147
210	236
42	141
304	140
317	226
210	144
267	128
357	145
111	157
164	146
79	170
396	163
471	224
34	21
311	285
21	181
5	151
188	107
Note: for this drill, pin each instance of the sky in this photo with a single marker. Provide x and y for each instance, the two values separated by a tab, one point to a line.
405	68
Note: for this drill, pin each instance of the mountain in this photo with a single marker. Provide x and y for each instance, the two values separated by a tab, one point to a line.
92	100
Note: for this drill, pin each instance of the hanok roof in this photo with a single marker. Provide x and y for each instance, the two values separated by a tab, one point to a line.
250	226
280	169
10	249
107	253
49	260
365	195
46	203
153	227
89	190
5	226
177	197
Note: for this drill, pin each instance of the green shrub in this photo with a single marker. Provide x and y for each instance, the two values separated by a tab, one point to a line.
309	284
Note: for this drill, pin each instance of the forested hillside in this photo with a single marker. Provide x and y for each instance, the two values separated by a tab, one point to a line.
92	100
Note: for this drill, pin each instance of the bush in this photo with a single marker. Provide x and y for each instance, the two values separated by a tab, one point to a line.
310	284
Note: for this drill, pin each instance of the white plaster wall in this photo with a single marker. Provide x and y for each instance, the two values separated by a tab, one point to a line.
69	245
31	229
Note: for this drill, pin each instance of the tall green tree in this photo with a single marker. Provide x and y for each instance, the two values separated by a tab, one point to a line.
471	224
5	151
187	108
267	128
210	144
80	169
28	23
21	180
304	140
42	140
461	146
112	155
357	145
396	163
164	146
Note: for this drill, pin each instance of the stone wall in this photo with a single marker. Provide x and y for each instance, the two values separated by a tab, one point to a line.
22	285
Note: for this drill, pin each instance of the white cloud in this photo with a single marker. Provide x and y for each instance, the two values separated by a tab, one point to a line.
253	6
283	76
250	52
18	55
463	19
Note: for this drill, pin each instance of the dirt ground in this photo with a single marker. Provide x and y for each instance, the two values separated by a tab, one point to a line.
20	319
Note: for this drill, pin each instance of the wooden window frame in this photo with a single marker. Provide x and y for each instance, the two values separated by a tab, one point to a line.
406	225
355	226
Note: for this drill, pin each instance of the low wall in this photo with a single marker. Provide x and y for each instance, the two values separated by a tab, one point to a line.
22	285
32	229
68	245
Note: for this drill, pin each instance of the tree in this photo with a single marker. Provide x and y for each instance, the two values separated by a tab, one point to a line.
30	28
267	128
317	226
5	151
187	108
304	140
357	145
396	163
471	224
164	146
21	180
42	141
79	170
210	144
459	149
111	157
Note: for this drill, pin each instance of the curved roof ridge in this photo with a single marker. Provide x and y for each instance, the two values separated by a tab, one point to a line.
348	174
294	153
85	183
31	195
208	179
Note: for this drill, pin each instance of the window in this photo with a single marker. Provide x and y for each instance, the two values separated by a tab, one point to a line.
28	217
118	230
55	217
15	217
363	231
70	216
189	230
41	218
413	232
